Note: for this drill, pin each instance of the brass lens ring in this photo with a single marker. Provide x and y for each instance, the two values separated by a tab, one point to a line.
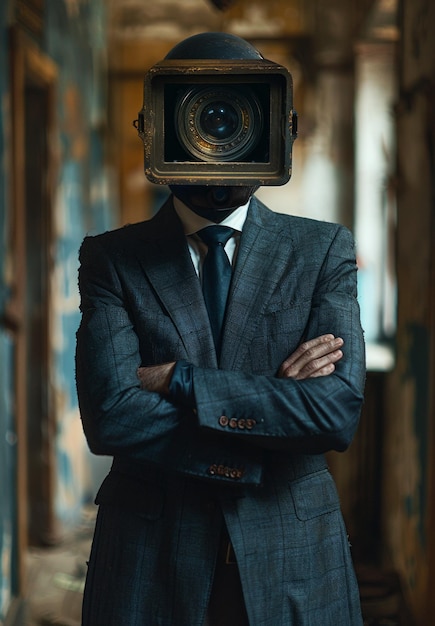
218	123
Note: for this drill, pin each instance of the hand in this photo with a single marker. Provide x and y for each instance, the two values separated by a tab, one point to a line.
156	377
313	358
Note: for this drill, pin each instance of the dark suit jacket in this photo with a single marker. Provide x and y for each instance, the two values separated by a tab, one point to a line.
252	451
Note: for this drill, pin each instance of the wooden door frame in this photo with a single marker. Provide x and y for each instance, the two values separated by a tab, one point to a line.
430	523
29	66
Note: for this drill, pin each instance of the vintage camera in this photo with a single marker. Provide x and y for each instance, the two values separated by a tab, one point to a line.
225	122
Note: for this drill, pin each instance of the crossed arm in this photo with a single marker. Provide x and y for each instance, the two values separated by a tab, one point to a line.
312	404
311	359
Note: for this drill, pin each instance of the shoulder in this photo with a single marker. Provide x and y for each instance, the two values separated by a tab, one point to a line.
300	229
112	243
110	237
128	237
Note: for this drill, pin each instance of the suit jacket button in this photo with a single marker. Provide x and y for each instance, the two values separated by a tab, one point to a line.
223	420
241	424
250	423
233	422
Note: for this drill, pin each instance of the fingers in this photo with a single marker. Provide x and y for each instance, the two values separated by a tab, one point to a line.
313	358
317	367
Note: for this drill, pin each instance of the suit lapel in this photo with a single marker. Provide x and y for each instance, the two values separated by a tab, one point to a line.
261	261
165	259
257	273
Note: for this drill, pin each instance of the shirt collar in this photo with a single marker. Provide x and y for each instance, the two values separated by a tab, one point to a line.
192	222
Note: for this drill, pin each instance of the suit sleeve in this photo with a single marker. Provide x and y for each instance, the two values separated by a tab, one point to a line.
119	418
309	416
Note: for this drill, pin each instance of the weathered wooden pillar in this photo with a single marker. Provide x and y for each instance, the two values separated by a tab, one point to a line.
409	444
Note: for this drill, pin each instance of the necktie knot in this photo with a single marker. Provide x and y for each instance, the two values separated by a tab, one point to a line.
215	235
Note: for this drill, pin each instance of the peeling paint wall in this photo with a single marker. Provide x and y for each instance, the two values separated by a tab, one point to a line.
7	467
8	569
75	38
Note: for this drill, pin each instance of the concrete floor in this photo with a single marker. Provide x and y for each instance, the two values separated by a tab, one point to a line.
56	578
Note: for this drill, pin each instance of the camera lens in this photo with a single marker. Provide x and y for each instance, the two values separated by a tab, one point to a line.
218	123
219	120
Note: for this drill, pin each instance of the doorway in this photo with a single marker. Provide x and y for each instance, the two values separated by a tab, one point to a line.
33	87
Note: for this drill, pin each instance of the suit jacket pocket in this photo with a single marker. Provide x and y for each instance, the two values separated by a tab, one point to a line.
314	495
127	492
279	332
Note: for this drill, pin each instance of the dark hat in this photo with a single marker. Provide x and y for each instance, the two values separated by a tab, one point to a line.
214	46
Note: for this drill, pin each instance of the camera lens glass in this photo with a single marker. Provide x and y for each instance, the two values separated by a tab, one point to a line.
218	123
219	120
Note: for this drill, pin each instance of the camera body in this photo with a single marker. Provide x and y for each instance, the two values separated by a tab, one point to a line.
217	122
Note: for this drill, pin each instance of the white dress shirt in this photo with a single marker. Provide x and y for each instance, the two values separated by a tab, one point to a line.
192	223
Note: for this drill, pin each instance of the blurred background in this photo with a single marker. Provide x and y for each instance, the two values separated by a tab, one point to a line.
71	84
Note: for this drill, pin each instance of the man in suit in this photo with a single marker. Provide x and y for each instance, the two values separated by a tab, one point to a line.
219	508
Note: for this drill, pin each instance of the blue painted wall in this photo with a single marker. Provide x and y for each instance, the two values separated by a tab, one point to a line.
8	560
8	555
74	37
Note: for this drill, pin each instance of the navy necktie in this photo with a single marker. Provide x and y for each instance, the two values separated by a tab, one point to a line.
216	276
